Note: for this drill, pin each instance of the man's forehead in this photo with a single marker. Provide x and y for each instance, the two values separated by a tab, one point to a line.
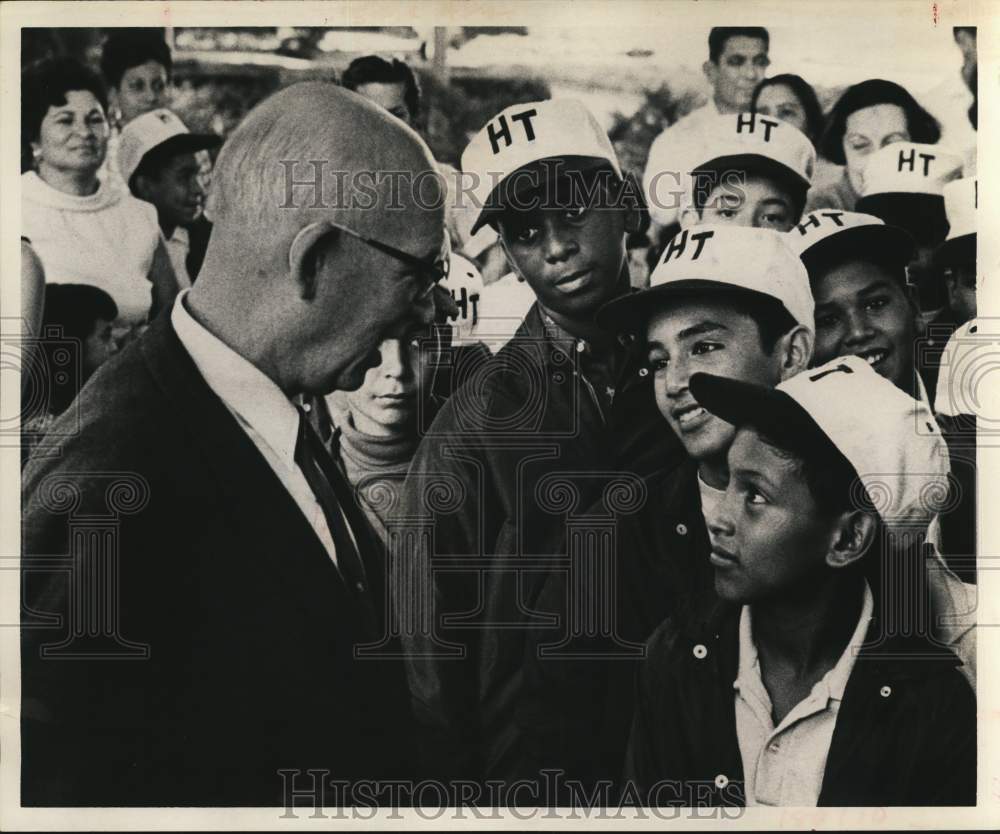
671	322
743	45
851	280
752	451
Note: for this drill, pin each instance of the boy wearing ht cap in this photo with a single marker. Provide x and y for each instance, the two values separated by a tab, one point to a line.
725	300
752	171
806	688
864	306
561	404
157	159
903	185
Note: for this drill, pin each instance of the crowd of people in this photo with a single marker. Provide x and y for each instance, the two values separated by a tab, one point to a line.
477	489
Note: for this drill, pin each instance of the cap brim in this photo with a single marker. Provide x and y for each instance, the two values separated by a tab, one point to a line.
771	412
756	164
878	242
515	192
630	313
922	215
184	143
959	251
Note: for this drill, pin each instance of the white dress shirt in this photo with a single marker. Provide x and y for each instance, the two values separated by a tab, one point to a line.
178	245
784	765
259	406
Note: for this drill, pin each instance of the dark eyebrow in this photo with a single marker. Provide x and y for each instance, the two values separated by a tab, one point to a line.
753	474
700	328
878	285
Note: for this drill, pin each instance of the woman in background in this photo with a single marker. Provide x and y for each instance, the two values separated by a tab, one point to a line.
86	230
868	116
790	98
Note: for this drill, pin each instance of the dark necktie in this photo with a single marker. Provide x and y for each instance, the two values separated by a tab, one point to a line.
334	497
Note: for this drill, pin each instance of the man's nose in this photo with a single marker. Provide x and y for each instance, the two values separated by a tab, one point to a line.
677	376
859	329
393	361
720	522
561	243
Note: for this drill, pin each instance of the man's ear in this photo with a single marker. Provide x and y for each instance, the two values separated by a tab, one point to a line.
796	348
852	536
306	255
711	70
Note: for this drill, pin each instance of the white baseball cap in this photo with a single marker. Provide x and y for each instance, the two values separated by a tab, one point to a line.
961	199
465	283
521	137
759	144
896	451
963	385
158	128
903	182
705	259
829	236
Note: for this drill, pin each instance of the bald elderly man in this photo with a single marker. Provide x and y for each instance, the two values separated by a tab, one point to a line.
197	576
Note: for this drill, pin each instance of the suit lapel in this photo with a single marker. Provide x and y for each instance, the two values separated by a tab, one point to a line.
263	520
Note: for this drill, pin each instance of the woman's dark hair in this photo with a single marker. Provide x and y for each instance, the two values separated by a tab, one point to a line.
44	85
922	126
804	93
373	69
129	48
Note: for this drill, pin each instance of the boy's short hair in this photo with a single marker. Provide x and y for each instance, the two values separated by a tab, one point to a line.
76	308
720	34
154	161
129	48
772	319
373	69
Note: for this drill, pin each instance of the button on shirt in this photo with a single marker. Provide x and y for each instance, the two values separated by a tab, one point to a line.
259	406
784	765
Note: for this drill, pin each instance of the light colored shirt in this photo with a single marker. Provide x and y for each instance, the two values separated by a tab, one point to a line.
106	239
178	245
666	181
502	307
784	765
259	406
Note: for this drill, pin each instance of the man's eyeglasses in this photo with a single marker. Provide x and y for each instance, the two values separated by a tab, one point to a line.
434	271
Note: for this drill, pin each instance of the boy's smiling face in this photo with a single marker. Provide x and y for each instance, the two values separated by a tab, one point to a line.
861	309
768	535
714	337
573	258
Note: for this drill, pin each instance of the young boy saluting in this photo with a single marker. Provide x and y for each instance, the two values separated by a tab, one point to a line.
806	688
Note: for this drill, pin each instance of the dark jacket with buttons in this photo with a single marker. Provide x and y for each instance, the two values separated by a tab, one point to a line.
515	455
905	733
659	565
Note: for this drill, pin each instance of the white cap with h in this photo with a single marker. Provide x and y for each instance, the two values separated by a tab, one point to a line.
706	259
524	134
895	446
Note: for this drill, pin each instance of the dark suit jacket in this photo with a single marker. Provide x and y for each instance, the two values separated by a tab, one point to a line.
223	646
